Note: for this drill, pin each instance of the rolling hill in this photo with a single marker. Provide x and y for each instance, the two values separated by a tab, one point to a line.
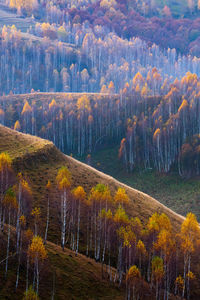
65	275
40	160
179	194
35	157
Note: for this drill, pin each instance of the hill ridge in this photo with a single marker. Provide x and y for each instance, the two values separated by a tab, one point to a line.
144	205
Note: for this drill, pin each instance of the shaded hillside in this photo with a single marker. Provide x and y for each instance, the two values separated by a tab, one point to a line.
64	274
70	277
42	160
40	163
180	194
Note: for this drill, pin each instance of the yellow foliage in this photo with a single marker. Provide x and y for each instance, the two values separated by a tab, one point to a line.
52	105
156	133
64	184
83	103
48	185
30	294
144	91
10	200
120	216
121	197
158	222
127	236
108	3
79	193
137	89
103	89
133	273
138	79
37	249
25	186
165	243
191	275
136	225
180	282
157	268
26	108
141	247
63	173
36	212
22	221
90	119
183	105
189	233
5	161
17	126
109	215
153	223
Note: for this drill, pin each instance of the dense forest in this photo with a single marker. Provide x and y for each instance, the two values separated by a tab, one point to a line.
99	224
160	132
173	24
86	61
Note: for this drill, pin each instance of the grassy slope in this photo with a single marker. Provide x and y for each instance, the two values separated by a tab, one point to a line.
178	194
76	277
181	195
40	160
73	277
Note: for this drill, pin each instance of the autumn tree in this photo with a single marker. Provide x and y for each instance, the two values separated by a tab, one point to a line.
48	192
189	237
10	205
36	213
80	196
133	278
26	113
30	294
37	254
5	168
64	182
157	273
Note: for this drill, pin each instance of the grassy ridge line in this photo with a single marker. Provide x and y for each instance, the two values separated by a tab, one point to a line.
43	96
180	194
41	159
135	195
17	144
41	164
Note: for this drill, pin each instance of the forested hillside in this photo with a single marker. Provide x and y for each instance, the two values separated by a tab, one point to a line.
104	219
159	132
173	24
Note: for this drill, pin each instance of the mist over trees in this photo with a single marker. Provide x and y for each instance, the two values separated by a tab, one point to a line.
159	132
95	58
